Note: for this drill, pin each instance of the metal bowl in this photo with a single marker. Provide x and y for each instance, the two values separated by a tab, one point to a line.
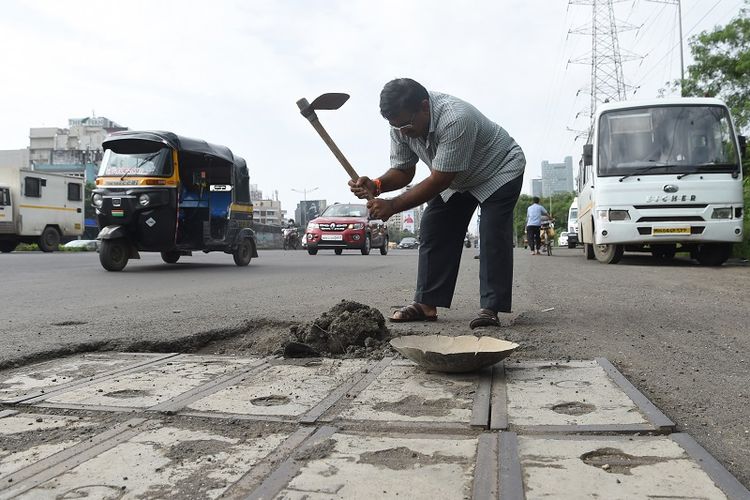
443	353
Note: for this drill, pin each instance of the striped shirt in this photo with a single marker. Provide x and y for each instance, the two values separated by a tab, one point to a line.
462	140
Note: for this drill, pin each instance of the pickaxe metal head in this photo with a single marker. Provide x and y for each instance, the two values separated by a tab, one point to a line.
332	100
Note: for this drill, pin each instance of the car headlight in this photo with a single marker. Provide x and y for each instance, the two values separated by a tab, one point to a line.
722	213
97	200
144	200
619	215
357	225
312	225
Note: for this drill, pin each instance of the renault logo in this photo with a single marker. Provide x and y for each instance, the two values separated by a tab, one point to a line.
671	188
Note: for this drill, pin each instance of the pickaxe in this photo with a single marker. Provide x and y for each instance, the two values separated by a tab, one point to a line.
327	101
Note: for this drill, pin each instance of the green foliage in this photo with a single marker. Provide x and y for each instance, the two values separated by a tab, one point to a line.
722	66
557	205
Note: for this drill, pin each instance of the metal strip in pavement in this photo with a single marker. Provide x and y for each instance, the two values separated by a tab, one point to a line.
511	478
289	468
650	411
7	413
285	419
499	411
593	428
181	400
480	412
65	460
333	410
485	485
417	427
36	398
726	482
262	469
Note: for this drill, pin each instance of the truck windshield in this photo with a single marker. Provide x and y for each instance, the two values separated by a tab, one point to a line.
666	139
152	163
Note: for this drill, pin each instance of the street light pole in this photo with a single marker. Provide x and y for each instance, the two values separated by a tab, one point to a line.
678	3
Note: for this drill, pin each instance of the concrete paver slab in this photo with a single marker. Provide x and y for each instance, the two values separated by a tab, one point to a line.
355	466
403	392
152	385
186	459
283	390
576	394
30	381
614	467
26	438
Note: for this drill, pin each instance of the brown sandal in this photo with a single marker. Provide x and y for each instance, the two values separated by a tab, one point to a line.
412	312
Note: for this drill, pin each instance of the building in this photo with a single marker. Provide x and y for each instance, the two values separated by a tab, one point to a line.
536	188
76	150
266	211
15	158
557	177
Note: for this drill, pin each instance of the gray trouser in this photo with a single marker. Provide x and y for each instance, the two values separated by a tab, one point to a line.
442	232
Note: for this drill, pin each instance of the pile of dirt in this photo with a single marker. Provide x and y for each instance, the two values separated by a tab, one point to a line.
348	328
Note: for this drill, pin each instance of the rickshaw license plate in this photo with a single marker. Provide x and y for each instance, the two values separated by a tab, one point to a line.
332	237
670	230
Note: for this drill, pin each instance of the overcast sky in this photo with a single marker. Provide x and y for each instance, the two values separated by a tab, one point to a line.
230	72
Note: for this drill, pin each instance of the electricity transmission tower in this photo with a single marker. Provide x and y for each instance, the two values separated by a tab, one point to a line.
606	58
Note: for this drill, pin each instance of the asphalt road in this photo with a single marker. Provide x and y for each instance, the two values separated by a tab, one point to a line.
678	331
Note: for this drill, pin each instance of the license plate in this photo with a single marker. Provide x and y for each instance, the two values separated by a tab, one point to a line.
332	237
670	230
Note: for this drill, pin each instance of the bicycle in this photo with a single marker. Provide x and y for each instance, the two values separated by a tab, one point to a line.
547	235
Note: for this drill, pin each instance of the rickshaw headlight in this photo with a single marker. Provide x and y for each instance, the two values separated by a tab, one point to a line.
144	200
97	200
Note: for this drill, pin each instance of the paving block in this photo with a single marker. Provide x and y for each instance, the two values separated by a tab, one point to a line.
36	380
26	438
347	465
612	467
574	396
286	390
189	458
151	385
404	394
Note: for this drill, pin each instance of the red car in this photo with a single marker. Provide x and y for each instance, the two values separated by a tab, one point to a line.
346	226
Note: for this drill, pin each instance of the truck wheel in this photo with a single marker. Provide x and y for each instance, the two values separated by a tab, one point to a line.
114	254
170	257
49	240
588	251
366	248
571	245
244	253
8	246
608	254
384	248
713	254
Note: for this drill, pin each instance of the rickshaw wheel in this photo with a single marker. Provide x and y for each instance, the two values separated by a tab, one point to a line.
243	253
170	257
114	255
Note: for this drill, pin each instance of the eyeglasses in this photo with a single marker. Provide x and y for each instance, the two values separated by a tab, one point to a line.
409	125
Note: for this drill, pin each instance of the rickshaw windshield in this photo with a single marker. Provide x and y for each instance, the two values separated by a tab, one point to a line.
153	163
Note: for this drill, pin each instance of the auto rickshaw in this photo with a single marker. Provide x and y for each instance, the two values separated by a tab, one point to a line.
160	192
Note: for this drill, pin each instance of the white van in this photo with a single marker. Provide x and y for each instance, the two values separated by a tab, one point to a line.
572	234
39	207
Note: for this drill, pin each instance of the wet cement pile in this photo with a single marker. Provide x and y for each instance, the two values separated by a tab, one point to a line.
347	329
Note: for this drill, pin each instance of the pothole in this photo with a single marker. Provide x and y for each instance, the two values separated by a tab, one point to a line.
69	323
127	393
403	458
273	400
415	406
573	408
617	461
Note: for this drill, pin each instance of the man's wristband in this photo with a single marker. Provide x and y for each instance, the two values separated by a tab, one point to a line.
378	186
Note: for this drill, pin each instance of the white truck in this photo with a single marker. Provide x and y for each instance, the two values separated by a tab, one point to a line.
572	233
39	207
663	175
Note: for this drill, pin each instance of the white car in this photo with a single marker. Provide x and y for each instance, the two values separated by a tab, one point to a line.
562	240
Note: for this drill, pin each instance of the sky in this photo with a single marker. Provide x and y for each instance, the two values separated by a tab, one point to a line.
230	72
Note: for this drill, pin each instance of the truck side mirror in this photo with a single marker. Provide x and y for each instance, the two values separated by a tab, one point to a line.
743	145
588	155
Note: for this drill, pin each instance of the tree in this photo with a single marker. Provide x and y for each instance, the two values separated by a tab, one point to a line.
722	66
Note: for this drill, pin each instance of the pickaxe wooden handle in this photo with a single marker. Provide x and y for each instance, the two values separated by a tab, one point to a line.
327	101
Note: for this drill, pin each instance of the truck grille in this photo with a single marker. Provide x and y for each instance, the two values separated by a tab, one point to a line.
684	218
6	227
